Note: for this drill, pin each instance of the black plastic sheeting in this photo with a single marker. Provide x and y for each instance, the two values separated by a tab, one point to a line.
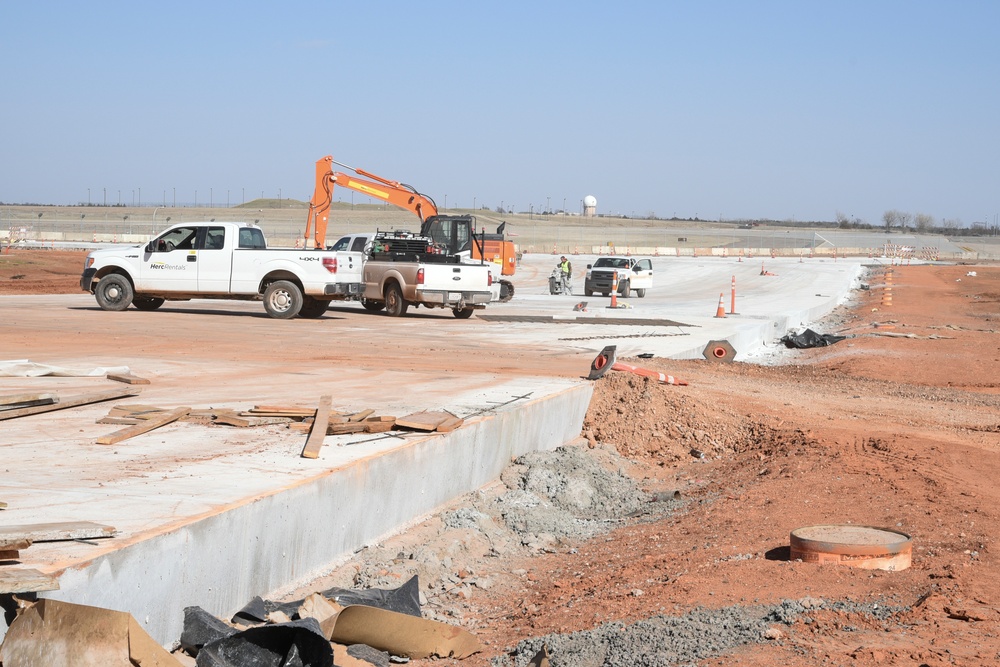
202	628
810	338
404	600
300	643
294	644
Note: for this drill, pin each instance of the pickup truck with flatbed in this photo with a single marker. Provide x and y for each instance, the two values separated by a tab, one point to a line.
632	273
221	260
401	269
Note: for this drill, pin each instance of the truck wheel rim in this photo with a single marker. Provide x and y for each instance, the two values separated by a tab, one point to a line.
113	293
280	300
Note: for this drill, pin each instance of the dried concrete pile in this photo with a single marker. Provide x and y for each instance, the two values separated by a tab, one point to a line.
546	499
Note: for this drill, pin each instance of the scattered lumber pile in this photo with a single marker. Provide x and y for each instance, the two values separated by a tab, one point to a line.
317	422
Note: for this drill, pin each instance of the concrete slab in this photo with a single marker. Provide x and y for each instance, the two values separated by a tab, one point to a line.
213	515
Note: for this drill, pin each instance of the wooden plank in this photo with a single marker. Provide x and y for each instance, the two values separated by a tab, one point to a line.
282	411
23	580
380	418
315	440
20	400
14	543
146	426
9	554
3	505
127	378
360	416
449	425
267	421
121	421
343	429
56	532
423	421
231	419
71	402
133	409
379	427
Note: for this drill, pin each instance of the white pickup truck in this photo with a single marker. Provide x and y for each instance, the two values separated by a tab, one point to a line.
221	260
633	274
401	269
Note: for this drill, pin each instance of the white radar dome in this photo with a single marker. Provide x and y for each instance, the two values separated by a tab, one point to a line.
590	200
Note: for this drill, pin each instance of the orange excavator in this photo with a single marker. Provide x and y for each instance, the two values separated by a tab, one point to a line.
452	234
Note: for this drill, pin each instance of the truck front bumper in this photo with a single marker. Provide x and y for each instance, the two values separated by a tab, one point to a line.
87	279
599	283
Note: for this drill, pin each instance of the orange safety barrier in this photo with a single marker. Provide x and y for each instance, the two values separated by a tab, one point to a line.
605	361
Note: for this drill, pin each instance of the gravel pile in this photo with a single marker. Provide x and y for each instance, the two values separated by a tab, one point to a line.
665	641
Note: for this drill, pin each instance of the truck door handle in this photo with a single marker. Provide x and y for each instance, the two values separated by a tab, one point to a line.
192	258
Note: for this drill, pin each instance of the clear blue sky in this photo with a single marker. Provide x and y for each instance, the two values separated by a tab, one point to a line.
734	109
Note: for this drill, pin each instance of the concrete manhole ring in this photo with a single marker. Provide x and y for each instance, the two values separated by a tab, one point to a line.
866	547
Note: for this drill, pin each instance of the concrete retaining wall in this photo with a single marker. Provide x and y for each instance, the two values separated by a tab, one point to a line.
274	542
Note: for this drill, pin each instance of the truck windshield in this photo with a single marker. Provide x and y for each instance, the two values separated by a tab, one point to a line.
611	263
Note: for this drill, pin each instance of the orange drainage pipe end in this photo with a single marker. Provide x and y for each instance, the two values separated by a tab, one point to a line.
865	547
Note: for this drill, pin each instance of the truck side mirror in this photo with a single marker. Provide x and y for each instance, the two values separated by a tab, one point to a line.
590	266
150	247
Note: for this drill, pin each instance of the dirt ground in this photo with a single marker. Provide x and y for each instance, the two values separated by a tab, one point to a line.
899	431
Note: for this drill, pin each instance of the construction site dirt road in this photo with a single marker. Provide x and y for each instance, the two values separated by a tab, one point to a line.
680	554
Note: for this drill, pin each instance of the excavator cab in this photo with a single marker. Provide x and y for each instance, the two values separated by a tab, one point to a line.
452	232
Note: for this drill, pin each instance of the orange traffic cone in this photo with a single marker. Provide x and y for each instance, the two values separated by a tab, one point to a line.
721	311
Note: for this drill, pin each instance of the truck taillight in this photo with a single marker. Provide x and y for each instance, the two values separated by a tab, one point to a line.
489	279
420	276
330	263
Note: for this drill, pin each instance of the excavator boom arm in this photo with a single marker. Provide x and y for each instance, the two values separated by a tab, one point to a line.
393	192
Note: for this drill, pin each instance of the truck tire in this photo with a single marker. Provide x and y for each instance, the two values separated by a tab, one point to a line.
114	292
395	304
506	291
623	289
640	292
313	308
147	302
605	293
588	292
464	313
373	306
282	300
